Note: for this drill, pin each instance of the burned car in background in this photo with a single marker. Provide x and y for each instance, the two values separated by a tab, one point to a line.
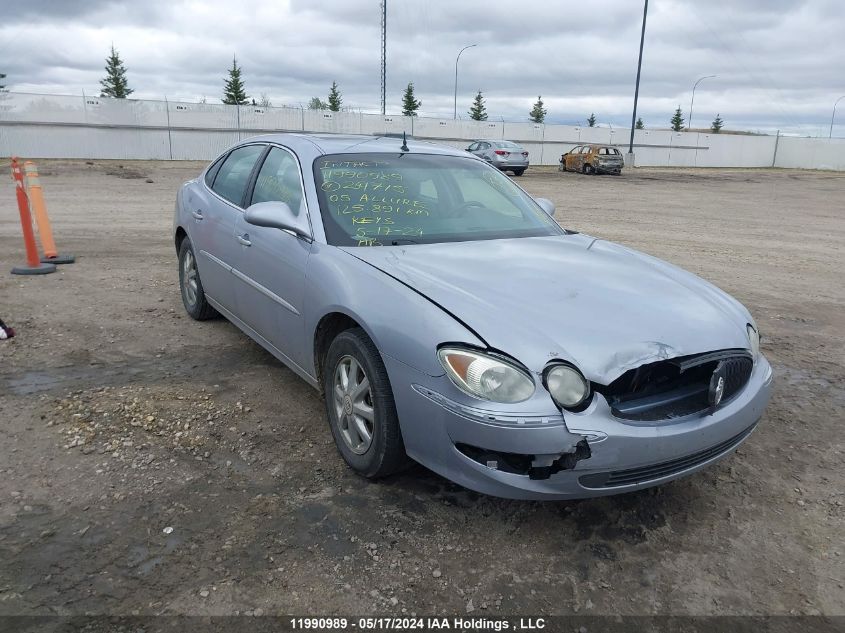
593	159
448	318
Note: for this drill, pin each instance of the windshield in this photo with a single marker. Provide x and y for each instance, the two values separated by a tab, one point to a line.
389	199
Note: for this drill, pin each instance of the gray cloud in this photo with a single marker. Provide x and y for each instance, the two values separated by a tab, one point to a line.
778	61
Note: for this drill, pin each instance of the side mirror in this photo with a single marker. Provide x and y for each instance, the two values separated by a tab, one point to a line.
547	205
467	149
278	215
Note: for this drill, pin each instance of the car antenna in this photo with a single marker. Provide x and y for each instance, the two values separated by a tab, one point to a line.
404	147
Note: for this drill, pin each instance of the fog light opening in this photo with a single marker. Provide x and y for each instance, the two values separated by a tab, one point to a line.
532	466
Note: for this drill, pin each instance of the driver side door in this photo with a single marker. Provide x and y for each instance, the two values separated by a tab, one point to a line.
272	264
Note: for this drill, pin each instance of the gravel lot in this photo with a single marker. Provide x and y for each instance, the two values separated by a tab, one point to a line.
152	464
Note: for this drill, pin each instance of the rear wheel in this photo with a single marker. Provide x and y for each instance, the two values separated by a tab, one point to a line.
360	406
518	172
193	295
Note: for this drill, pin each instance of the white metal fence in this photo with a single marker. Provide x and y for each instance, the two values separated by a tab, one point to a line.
61	126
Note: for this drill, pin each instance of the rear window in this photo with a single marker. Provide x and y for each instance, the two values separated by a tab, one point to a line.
507	145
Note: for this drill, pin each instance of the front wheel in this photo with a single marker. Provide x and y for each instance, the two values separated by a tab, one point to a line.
360	407
193	295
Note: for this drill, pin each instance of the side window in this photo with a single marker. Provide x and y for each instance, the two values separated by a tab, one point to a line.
233	175
484	146
428	190
473	147
278	180
488	192
212	171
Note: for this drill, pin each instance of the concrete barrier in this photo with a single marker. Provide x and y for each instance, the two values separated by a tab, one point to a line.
62	126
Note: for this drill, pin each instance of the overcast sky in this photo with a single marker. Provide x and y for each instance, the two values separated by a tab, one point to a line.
779	63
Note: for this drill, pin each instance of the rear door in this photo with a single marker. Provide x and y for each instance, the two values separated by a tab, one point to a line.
270	274
216	248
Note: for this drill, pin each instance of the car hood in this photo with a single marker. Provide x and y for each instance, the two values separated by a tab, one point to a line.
601	306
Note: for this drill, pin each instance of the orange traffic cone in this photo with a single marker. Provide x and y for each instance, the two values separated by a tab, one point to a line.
39	209
33	266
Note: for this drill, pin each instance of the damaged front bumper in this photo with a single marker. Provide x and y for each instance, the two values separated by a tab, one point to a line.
549	456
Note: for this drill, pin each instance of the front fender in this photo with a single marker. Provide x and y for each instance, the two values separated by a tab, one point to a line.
402	323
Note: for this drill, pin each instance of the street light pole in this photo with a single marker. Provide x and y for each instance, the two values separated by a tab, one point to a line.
637	88
457	59
692	101
830	134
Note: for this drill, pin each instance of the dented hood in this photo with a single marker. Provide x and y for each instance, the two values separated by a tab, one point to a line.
599	305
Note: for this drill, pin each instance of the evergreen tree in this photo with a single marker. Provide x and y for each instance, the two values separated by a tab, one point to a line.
478	111
2	76
677	120
317	104
410	104
334	98
717	125
639	124
234	92
592	120
538	112
114	84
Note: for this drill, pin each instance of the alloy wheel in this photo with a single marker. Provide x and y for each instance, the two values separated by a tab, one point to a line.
189	277
353	403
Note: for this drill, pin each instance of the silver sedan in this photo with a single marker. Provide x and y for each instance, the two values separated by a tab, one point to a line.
447	318
504	155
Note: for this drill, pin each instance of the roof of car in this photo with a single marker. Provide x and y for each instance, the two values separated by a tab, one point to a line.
357	143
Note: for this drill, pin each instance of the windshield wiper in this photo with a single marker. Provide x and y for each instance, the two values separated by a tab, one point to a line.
402	241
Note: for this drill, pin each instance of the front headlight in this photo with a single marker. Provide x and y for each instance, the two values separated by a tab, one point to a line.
486	376
753	341
567	386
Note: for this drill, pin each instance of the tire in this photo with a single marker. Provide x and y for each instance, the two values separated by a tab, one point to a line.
190	285
563	166
518	172
354	355
589	169
585	168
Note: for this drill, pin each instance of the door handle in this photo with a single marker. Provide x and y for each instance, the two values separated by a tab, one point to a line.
197	214
244	239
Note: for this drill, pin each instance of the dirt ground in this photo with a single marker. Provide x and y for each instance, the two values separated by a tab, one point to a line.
151	464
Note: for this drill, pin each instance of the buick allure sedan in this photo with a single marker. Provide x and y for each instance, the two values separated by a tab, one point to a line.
447	318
